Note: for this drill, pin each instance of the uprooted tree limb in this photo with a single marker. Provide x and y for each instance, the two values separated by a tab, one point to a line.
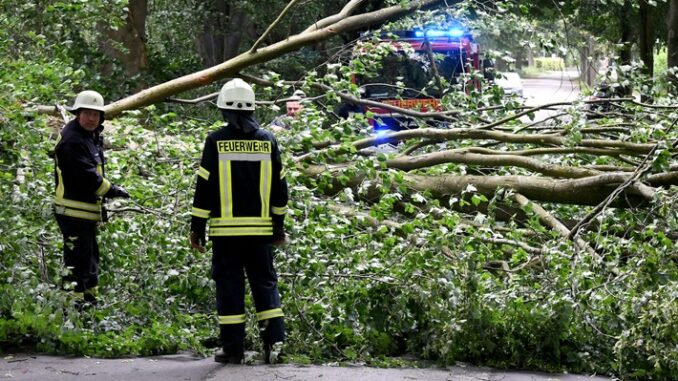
587	191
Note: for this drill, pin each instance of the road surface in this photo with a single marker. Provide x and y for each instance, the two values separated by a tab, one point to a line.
549	88
187	367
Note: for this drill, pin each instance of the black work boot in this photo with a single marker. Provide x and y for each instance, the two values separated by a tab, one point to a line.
232	349
82	302
90	298
272	332
273	353
227	358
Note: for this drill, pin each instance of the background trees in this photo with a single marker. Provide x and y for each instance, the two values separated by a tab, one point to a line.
492	239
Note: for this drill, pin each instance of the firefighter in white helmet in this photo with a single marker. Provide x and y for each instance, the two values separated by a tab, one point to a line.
80	188
242	192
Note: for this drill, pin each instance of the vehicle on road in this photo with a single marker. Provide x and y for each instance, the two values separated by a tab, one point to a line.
510	82
449	52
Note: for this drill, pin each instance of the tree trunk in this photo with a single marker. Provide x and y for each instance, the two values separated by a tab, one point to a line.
587	62
672	21
646	38
625	37
132	36
223	33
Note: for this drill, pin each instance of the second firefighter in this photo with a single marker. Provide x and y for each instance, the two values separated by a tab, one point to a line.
242	192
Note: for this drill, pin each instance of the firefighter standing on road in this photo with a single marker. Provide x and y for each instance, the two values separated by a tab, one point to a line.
242	192
80	187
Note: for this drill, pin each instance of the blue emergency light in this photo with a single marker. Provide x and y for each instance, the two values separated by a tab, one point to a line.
385	125
383	129
454	32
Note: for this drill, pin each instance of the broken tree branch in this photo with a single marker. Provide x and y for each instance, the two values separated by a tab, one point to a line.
407	163
642	169
556	225
467	133
345	12
289	6
583	191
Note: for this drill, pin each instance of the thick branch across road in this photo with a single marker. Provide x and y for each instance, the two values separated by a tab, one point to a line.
427	160
585	191
537	139
589	190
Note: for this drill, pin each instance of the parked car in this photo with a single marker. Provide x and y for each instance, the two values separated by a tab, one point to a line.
510	82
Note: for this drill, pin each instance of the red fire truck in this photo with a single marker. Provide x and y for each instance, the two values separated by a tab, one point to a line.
454	53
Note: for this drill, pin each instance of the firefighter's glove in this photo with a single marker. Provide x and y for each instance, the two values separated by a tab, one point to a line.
117	191
197	241
278	235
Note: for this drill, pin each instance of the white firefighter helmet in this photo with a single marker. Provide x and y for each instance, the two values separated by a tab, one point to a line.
88	99
236	94
299	94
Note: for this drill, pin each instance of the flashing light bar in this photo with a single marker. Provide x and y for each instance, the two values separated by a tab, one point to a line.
455	32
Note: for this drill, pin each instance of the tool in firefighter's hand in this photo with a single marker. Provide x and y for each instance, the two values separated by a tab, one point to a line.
104	213
279	237
197	242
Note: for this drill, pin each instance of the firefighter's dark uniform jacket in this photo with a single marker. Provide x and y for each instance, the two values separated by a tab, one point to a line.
80	184
242	191
240	188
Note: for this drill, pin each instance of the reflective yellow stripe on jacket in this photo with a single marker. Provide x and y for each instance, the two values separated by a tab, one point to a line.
279	210
227	224
77	209
205	174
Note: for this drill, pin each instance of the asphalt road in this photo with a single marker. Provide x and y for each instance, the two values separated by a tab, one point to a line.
187	367
550	88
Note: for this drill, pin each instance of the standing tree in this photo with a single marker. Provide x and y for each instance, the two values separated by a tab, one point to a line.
672	26
131	36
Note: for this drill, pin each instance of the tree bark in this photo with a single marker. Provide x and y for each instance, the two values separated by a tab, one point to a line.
646	37
672	43
132	36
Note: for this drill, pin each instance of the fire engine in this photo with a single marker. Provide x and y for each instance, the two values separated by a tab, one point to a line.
454	53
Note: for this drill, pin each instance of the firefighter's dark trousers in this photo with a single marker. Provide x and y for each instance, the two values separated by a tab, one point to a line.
81	254
232	258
